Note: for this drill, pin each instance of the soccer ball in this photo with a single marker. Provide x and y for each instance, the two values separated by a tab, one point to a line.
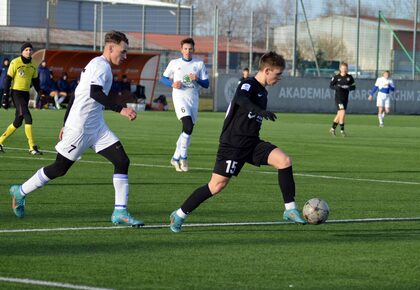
316	211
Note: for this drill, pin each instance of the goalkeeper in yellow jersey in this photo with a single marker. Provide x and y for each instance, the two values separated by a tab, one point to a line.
21	73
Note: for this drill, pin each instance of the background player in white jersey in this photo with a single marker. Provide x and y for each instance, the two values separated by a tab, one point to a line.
84	127
185	75
384	85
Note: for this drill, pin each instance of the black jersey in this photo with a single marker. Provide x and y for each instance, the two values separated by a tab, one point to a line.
342	85
242	125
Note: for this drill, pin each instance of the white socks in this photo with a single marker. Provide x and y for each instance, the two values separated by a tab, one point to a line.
121	190
39	179
181	214
61	99
182	145
290	205
381	118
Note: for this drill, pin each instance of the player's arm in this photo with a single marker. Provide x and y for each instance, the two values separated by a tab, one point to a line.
35	83
373	90
7	82
166	81
168	75
391	86
244	101
204	83
98	95
333	83
69	105
202	80
352	85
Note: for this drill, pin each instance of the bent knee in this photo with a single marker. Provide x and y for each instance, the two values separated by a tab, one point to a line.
217	187
283	162
121	167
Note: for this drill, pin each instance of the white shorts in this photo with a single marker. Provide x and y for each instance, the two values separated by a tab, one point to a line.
383	100
74	142
185	107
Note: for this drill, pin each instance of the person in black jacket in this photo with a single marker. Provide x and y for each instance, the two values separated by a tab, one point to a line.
3	74
342	83
240	143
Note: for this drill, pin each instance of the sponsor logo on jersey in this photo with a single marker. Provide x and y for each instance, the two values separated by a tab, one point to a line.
260	95
187	82
251	115
245	87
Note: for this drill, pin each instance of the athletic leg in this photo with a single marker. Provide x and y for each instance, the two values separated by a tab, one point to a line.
38	180
197	197
118	157
381	116
279	160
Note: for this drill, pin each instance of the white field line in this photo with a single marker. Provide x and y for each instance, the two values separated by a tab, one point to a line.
209	169
49	283
225	224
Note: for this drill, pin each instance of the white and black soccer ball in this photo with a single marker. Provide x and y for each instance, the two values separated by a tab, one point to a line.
316	211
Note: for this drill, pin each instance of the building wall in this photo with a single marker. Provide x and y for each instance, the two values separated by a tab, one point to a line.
304	95
79	15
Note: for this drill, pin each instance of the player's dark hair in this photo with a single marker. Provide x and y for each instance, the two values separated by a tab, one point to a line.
188	40
246	69
115	37
344	63
272	59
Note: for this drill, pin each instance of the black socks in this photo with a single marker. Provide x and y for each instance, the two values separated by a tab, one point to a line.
196	198
287	184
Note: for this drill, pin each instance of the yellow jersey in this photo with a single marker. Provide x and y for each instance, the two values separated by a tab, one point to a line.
22	74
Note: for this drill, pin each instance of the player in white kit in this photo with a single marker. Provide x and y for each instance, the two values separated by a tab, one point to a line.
185	75
84	127
384	85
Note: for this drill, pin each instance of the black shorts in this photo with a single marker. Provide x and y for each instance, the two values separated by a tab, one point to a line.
229	161
341	103
21	101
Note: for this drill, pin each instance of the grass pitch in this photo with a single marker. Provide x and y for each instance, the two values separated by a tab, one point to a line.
373	173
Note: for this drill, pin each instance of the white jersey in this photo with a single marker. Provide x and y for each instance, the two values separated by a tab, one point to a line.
86	114
384	85
179	70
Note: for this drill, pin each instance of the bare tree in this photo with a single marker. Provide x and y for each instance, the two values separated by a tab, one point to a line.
333	48
394	8
232	16
347	8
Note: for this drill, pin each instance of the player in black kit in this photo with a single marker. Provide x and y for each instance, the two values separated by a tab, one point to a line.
240	143
342	83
